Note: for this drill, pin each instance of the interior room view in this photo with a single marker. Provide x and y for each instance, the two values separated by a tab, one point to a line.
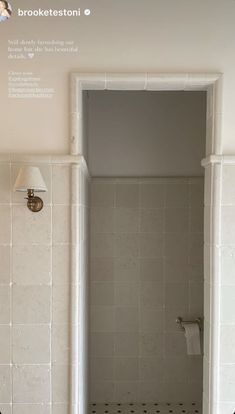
144	152
120	120
102	273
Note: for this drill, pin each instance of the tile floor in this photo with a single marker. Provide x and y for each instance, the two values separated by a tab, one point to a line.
145	408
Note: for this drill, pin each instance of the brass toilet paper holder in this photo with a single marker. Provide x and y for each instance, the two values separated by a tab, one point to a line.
179	320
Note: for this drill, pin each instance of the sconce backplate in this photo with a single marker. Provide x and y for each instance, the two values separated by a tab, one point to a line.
35	204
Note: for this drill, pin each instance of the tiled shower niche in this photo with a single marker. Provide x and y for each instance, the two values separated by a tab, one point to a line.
146	268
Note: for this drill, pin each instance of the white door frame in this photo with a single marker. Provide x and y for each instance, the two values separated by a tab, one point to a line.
212	84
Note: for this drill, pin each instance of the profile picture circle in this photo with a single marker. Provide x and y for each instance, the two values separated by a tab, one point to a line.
5	10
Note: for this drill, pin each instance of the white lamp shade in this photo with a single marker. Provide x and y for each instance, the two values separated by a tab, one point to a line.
30	178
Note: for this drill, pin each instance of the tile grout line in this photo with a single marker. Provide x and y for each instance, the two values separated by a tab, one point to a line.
188	258
139	283
164	272
189	237
51	292
11	293
115	184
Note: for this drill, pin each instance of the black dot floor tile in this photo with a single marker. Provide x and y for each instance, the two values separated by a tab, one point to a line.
145	408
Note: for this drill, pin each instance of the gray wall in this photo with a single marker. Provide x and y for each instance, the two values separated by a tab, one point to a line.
146	133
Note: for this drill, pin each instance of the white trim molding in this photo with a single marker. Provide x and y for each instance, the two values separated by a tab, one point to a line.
41	159
212	83
218	159
78	172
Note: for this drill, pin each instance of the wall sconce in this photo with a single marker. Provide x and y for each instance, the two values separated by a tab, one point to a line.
30	180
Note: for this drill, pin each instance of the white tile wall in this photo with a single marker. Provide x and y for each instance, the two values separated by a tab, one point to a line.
34	295
31	384
22	267
28	228
5	224
28	408
227	293
37	348
146	268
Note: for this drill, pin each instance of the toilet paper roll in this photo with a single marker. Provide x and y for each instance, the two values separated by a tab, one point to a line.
192	335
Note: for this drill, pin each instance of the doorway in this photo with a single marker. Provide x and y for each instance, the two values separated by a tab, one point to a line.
79	129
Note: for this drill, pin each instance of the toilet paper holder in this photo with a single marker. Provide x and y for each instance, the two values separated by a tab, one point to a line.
180	322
